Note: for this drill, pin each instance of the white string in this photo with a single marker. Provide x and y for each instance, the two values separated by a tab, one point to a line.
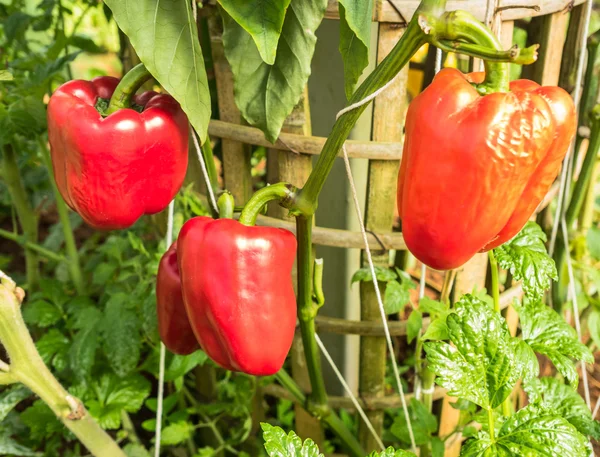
565	174
422	281
586	387
346	387
378	294
161	363
596	408
211	194
367	99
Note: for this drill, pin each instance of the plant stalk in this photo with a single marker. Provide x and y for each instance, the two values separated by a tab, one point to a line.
46	253
27	367
282	192
495	281
127	87
63	215
25	213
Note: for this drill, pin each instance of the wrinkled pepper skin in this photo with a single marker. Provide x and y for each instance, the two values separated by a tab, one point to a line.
475	168
115	169
237	289
173	325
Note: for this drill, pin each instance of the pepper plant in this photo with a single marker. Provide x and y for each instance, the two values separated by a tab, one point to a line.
469	349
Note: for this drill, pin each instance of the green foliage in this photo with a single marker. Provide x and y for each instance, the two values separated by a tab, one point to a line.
424	424
355	36
391	452
547	333
397	288
10	398
266	93
528	261
438	312
168	45
280	444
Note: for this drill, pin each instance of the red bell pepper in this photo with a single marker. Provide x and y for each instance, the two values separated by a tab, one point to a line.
474	167
112	170
173	325
237	289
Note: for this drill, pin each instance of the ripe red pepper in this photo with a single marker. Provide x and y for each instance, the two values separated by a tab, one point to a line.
474	167
112	170
237	289
173	325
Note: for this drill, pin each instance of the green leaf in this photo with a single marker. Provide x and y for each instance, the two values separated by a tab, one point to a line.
9	447
11	397
437	329
26	116
547	333
391	452
115	395
40	419
424	424
104	272
530	432
165	37
83	350
355	36
413	324
6	75
431	306
176	433
182	364
278	444
266	94
41	313
262	19
438	448
481	364
562	400
122	343
396	297
527	363
136	450
52	343
593	242
593	325
528	261
382	274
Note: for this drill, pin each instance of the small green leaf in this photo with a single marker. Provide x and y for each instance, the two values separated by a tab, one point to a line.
6	75
481	364
593	242
165	37
547	333
396	297
9	447
391	452
11	397
528	261
41	313
355	37
40	419
266	94
413	325
51	343
83	350
437	329
122	344
278	444
424	424
176	433
262	19
182	364
136	450
593	325
431	306
382	274
104	272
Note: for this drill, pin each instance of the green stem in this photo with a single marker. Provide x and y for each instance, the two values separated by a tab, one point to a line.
587	169
281	191
491	425
46	253
25	213
226	205
495	282
209	160
128	86
65	222
27	367
427	378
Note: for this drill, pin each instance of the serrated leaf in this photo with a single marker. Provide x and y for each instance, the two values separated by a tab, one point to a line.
41	313
6	75
40	419
527	363
51	343
528	261
547	333
530	432
104	272
391	452
9	447
437	329
83	351
396	297
413	325
280	444
176	433
382	274
122	344
11	397
262	19
431	306
424	424
136	450
355	37
266	94
562	400
168	45
480	366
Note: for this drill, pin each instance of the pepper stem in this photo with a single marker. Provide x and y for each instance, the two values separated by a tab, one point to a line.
127	87
281	191
226	205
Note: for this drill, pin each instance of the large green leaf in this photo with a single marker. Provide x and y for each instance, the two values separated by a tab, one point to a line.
531	432
266	94
482	364
547	333
391	452
164	35
527	259
262	19
355	36
280	444
11	397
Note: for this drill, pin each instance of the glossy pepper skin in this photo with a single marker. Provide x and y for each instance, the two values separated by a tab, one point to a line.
173	325
474	167
115	169
237	289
